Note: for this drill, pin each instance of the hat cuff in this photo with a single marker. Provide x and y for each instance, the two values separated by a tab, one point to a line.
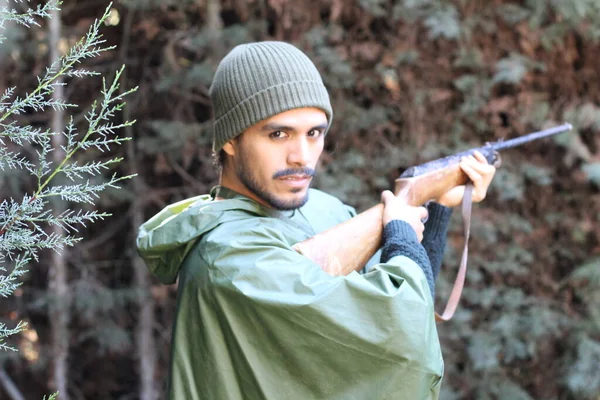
267	103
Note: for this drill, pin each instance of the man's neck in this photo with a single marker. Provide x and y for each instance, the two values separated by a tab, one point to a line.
233	183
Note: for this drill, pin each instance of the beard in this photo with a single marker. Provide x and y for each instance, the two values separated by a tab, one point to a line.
245	174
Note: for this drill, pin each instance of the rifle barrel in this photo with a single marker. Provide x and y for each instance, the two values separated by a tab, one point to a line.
505	144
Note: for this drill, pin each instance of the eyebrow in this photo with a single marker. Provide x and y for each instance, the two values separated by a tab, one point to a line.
272	127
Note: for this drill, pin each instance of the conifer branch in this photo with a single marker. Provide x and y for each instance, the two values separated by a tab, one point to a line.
87	47
27	18
23	223
6	332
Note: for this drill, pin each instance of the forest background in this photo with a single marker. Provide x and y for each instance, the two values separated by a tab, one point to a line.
410	81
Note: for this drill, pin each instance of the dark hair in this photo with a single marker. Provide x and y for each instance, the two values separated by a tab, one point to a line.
219	158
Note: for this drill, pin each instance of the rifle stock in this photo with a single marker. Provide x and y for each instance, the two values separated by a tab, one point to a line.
348	246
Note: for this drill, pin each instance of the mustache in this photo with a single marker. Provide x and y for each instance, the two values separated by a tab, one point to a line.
294	171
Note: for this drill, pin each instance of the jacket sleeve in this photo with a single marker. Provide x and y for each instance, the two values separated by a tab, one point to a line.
327	336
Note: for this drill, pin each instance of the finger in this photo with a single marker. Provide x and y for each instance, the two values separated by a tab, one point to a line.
453	197
486	173
483	169
471	165
480	157
423	213
474	175
480	185
387	196
419	232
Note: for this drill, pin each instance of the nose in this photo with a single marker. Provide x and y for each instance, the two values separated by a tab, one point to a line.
299	153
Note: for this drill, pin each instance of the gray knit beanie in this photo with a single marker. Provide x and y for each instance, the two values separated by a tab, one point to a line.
259	80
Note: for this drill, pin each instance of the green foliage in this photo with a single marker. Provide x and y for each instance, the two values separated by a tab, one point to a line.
184	74
537	113
22	222
226	38
408	57
197	75
515	261
508	184
483	351
592	171
151	4
471	58
355	118
340	177
12	41
553	35
513	69
585	117
510	70
337	71
512	13
569	15
586	278
171	136
440	17
506	389
109	336
475	91
539	12
92	299
540	175
444	23
28	17
374	7
576	11
479	23
485	230
582	376
5	332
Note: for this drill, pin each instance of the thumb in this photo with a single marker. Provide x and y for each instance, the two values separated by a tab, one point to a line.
423	214
386	197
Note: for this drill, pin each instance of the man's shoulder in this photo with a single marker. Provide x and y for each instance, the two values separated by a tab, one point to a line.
244	220
245	223
324	202
324	198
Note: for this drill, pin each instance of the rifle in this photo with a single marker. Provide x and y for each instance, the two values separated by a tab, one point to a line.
348	246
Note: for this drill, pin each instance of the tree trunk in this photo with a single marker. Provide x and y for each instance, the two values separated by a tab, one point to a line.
145	343
58	285
214	22
9	386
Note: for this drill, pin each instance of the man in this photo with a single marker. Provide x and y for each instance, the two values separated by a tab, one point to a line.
257	320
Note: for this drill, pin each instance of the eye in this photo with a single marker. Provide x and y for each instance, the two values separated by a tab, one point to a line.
314	133
277	135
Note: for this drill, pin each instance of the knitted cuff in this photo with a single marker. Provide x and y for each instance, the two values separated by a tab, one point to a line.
435	234
400	230
400	239
438	220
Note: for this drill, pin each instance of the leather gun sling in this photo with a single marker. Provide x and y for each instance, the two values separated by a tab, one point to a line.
462	269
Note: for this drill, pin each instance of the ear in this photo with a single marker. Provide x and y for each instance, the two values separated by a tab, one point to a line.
229	148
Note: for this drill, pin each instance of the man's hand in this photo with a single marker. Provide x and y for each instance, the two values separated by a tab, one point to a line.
395	208
479	172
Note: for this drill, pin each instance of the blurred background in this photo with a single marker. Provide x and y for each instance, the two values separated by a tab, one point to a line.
410	81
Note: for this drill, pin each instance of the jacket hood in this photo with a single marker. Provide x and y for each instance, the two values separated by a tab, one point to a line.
165	239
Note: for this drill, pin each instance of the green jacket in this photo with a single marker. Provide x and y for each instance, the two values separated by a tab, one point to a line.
257	320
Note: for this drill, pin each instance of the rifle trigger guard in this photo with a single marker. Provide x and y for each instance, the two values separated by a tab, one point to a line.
497	160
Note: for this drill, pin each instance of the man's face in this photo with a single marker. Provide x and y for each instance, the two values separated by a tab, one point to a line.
273	161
